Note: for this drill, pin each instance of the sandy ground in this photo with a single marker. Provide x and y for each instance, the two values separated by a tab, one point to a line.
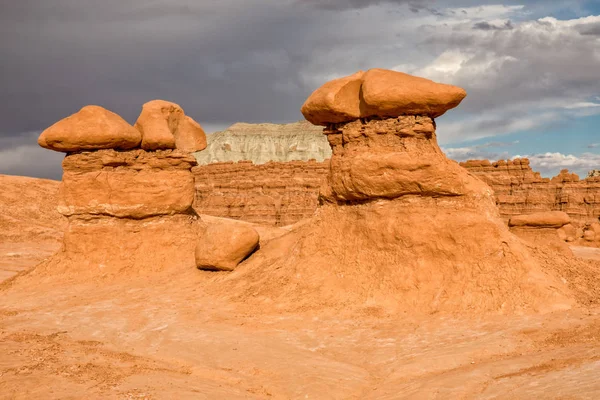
588	253
168	339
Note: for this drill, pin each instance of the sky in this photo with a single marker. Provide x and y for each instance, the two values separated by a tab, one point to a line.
531	68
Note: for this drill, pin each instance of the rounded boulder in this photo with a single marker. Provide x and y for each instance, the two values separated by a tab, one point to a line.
91	128
224	245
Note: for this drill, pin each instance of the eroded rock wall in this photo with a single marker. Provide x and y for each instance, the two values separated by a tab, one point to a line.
275	193
520	190
263	143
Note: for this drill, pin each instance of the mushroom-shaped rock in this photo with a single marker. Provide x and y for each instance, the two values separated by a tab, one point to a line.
379	93
388	93
224	245
91	128
164	125
547	219
336	101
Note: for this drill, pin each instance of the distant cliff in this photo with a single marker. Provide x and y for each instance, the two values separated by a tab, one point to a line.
261	143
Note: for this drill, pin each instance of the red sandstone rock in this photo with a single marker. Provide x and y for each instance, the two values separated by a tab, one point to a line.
134	184
164	125
379	93
519	190
545	237
275	193
92	128
568	233
392	158
222	246
29	210
390	94
336	101
548	219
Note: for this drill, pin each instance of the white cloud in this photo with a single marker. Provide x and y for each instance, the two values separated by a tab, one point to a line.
551	163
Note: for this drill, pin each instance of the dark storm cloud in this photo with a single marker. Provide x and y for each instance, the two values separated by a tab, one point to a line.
486	26
221	62
414	5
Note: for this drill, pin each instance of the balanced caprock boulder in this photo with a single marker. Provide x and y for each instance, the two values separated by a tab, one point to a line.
399	226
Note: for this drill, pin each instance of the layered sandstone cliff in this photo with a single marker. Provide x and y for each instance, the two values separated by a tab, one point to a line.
262	143
275	193
520	190
263	173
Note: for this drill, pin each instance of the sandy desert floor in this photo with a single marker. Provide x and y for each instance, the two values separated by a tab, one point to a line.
160	338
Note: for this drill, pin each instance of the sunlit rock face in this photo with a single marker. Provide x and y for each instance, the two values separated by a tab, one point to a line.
261	143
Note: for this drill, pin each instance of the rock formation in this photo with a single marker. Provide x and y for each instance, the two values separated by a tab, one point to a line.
275	193
542	229
519	190
222	246
127	209
262	143
593	173
92	128
262	173
28	210
399	225
164	125
379	93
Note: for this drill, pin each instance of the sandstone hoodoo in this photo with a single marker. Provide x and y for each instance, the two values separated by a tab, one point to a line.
164	125
222	246
399	226
126	207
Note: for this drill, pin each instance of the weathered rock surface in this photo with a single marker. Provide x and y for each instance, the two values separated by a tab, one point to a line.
519	190
379	93
132	184
542	229
28	210
30	227
392	158
128	212
92	128
164	125
547	219
336	101
275	193
222	246
263	143
391	93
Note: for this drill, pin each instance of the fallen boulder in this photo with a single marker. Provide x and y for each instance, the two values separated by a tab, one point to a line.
546	219
222	246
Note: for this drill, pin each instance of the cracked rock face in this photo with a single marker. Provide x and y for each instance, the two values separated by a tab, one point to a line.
131	184
391	158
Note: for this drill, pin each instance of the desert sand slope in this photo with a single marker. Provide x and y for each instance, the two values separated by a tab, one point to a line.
30	227
28	209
